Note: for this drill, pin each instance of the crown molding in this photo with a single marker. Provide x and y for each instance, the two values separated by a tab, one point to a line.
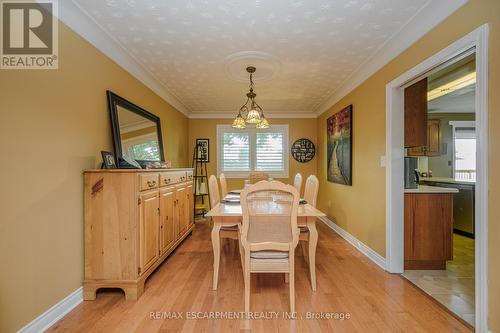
76	18
424	20
269	115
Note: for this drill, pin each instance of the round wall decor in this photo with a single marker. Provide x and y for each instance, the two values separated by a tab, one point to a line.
303	150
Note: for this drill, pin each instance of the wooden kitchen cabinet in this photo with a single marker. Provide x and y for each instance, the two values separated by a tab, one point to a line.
415	115
433	145
428	230
133	220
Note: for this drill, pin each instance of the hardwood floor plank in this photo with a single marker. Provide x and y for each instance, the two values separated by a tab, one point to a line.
348	282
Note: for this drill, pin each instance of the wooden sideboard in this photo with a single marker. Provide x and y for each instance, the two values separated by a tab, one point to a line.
133	220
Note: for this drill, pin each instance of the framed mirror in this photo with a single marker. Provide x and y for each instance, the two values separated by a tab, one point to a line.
136	132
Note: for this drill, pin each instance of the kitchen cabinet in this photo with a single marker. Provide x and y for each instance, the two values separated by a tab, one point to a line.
433	145
415	115
428	230
133	220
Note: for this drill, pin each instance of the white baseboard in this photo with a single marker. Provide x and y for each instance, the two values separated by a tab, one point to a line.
56	312
363	248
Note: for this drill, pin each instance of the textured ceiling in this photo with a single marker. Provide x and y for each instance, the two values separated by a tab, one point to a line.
303	50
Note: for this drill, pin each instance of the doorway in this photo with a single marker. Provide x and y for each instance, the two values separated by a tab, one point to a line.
477	41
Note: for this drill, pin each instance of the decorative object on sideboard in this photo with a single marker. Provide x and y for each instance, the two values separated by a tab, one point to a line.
339	147
125	162
108	160
303	150
203	150
136	132
252	111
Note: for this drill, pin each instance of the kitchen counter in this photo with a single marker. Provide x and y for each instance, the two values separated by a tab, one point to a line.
447	180
431	189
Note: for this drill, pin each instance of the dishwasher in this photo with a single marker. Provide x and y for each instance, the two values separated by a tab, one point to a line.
463	207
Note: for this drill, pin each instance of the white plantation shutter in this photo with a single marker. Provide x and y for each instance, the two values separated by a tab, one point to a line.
269	154
236	152
242	151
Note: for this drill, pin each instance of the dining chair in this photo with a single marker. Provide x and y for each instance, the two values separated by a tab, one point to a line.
269	232
218	232
223	185
297	182
256	176
310	196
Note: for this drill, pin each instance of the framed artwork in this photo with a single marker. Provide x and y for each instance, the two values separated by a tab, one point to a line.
303	150
339	147
203	150
108	160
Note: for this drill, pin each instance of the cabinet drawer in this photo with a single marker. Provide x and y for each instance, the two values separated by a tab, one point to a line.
148	181
167	178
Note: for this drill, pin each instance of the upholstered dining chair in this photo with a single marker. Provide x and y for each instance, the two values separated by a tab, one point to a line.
269	232
223	185
297	182
226	231
256	176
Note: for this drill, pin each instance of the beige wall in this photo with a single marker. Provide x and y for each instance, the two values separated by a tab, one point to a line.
297	128
439	164
360	209
53	125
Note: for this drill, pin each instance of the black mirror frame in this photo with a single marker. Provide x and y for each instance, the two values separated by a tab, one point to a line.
113	101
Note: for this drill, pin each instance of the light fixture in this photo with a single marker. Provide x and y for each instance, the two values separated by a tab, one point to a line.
250	112
452	86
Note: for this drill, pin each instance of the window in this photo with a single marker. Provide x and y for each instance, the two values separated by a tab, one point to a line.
144	147
464	150
242	151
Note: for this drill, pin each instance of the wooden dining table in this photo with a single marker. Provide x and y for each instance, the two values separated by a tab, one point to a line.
229	214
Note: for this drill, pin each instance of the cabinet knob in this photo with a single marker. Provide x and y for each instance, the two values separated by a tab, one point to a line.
151	183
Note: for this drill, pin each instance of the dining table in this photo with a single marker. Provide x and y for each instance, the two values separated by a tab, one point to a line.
228	213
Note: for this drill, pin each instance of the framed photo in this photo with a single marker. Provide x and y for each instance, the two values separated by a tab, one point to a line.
339	147
202	151
108	160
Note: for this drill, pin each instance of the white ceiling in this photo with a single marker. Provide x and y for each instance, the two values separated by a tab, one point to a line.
304	51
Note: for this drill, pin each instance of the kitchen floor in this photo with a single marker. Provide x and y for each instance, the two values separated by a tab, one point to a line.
453	287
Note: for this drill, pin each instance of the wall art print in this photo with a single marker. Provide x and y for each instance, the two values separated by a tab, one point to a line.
339	147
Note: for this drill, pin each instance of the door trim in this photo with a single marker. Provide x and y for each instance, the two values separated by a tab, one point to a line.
477	39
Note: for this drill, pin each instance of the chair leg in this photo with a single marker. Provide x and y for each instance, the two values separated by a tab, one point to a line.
216	252
291	284
287	278
247	284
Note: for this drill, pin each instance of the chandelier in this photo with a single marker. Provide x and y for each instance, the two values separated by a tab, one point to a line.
250	112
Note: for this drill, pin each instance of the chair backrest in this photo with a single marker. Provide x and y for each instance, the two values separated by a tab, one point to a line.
223	185
311	190
256	176
269	216
297	182
213	189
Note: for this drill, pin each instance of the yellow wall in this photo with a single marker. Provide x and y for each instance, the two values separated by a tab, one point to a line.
53	125
360	209
297	128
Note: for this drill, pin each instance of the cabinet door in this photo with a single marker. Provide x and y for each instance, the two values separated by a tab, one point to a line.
428	226
190	204
415	114
433	137
167	227
149	220
180	209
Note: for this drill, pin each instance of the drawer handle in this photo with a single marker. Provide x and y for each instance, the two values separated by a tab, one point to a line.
166	180
151	183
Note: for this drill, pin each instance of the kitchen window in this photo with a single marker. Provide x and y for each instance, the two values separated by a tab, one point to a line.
464	150
242	151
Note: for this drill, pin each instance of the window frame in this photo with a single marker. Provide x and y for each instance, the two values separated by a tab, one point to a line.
221	129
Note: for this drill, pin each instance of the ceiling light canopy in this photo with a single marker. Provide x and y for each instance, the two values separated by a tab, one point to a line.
452	86
250	112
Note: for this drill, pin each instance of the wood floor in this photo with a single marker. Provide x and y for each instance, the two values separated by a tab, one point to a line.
453	287
348	283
